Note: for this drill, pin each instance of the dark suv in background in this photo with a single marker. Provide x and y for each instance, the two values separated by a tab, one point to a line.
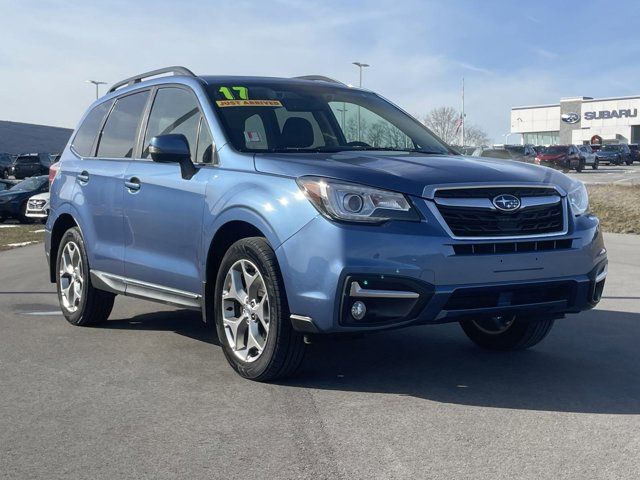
635	152
6	160
615	154
30	164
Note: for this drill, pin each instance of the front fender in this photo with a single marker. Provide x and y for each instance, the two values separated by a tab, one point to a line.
272	204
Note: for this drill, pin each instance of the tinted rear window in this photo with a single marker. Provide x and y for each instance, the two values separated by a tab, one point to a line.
556	150
86	134
119	132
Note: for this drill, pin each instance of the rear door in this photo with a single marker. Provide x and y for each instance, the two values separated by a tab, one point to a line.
100	178
162	211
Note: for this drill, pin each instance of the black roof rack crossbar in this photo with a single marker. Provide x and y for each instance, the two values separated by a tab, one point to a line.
319	78
177	70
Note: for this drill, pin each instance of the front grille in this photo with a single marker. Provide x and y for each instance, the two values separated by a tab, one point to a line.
475	221
510	295
511	247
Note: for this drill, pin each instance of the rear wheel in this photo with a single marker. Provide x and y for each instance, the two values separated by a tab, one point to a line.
252	315
81	303
629	161
506	333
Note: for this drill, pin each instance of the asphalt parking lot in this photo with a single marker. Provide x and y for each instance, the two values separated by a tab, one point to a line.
614	174
149	395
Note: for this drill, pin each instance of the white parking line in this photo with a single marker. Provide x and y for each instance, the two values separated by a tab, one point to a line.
20	244
8	226
42	314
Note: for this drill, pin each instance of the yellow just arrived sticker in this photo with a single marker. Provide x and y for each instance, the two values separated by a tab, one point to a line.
248	103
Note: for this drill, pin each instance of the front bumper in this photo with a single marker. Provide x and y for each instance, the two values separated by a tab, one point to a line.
320	263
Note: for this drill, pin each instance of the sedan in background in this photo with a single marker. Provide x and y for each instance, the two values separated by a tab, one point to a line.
615	154
561	157
13	202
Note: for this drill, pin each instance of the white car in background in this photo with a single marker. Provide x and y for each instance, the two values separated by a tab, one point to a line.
38	206
588	155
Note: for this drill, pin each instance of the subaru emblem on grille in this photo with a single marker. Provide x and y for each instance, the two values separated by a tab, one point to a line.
506	203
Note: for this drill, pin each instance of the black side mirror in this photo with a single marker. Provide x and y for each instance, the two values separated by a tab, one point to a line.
173	148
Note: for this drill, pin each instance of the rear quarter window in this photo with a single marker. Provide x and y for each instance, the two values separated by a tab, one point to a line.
86	134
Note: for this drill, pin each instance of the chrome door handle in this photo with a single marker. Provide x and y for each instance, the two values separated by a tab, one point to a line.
133	184
83	177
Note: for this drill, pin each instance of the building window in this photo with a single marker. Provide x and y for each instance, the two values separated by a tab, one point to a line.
542	138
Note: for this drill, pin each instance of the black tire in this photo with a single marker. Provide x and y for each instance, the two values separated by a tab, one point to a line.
284	347
629	162
94	305
521	334
580	165
596	164
618	160
5	173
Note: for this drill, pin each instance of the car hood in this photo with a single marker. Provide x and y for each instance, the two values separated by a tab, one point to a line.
607	153
409	173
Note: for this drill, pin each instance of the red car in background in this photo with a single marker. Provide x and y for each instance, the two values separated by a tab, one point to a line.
561	157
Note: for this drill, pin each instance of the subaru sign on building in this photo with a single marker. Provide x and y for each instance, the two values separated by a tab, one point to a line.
578	120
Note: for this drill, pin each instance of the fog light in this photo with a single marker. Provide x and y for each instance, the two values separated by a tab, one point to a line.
358	310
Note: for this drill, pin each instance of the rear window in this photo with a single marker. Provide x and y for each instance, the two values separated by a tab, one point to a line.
86	134
556	150
119	133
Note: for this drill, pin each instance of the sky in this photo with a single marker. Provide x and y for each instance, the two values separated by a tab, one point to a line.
510	53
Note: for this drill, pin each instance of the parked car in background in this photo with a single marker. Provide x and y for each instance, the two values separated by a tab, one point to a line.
30	164
588	156
6	161
6	184
615	154
13	202
38	206
561	157
635	152
245	199
521	153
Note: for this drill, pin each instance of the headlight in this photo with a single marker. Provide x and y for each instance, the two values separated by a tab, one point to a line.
356	203
579	199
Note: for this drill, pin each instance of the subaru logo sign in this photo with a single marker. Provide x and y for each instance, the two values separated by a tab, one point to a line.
506	203
570	117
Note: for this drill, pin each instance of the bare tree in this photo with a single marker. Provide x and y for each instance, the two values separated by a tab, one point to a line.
445	122
475	136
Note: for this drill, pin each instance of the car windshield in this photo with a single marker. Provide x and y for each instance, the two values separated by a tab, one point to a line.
29	184
555	150
301	117
611	148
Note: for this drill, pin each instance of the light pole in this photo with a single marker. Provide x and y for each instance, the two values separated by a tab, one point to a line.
97	84
360	65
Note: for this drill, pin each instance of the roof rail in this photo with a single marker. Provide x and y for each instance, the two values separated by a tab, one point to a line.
320	78
177	70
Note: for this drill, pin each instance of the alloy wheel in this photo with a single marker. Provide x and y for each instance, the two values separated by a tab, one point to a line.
71	277
245	310
494	325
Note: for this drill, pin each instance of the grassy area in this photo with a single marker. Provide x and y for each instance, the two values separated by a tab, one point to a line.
13	236
618	207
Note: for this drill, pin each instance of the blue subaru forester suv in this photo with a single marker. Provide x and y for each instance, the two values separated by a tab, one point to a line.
288	208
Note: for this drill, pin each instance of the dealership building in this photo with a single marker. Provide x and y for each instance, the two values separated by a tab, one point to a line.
579	120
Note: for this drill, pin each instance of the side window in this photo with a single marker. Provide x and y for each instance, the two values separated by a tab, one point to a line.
175	110
88	131
204	153
118	137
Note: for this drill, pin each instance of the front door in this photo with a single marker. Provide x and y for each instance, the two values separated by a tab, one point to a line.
163	212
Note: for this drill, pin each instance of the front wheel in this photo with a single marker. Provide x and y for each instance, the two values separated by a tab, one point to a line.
596	164
252	315
81	303
629	162
506	333
5	174
580	165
